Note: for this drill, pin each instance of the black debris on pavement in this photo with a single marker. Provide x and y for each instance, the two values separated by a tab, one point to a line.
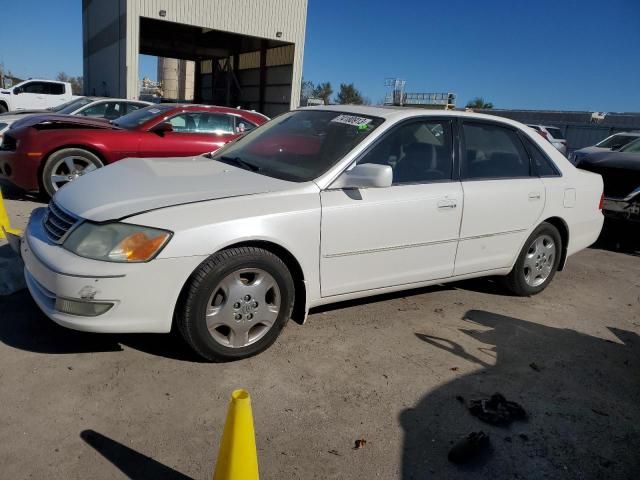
497	410
534	366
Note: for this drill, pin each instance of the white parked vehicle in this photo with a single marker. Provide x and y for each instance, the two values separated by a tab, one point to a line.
35	94
554	135
319	205
93	107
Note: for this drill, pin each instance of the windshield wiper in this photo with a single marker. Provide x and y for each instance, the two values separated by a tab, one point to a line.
239	162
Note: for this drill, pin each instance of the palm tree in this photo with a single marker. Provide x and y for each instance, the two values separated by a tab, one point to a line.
479	103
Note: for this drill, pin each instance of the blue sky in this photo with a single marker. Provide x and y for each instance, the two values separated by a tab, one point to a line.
551	54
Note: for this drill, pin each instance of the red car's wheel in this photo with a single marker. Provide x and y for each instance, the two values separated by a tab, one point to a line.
66	165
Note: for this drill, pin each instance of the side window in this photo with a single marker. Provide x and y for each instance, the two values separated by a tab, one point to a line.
33	87
544	167
243	126
491	151
215	123
183	123
54	88
418	152
108	110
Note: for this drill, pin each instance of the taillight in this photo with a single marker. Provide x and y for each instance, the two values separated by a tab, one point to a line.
601	202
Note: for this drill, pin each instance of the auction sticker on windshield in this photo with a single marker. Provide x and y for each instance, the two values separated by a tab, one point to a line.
352	120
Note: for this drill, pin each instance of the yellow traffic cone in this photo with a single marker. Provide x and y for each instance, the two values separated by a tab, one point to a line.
238	457
5	226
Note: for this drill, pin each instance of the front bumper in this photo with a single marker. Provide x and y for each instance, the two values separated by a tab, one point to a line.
144	295
622	209
20	169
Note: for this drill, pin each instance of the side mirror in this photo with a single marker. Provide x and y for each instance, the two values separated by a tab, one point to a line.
17	90
365	175
162	128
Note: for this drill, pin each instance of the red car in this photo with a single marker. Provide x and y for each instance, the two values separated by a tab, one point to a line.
46	151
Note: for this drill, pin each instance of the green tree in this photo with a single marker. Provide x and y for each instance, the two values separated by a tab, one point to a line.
323	91
349	95
77	83
479	102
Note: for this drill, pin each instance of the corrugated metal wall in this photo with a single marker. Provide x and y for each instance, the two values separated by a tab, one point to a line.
258	18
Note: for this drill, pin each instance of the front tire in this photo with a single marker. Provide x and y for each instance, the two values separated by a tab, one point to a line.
3	108
537	263
236	304
66	165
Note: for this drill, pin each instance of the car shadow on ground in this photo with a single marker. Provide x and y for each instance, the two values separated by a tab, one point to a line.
132	464
620	237
25	327
581	394
9	192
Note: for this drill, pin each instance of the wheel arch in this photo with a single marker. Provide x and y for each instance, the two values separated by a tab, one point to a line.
300	301
45	157
4	104
563	228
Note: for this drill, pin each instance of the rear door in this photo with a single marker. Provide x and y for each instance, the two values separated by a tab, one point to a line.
503	197
194	133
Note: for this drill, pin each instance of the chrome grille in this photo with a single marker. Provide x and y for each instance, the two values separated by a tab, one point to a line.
58	223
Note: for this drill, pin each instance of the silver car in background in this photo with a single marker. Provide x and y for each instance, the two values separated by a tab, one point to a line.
554	135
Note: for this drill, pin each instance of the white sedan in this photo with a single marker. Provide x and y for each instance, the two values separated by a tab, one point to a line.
317	206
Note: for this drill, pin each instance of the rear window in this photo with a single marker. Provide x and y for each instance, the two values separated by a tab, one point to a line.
555	133
616	141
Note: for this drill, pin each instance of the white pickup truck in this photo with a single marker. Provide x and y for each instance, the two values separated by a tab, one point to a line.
34	94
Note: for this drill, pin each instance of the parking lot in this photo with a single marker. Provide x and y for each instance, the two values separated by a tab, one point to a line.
394	370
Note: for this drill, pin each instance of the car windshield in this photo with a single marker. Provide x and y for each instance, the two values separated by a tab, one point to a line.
70	107
135	119
299	146
555	133
633	147
616	141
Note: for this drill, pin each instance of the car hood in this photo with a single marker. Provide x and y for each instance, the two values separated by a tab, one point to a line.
607	159
63	121
138	185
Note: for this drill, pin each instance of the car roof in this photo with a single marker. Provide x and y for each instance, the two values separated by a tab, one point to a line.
399	113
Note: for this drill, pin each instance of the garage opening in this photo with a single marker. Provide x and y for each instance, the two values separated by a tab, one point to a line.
228	69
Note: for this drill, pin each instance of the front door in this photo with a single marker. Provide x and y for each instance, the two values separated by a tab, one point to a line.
194	133
503	197
380	237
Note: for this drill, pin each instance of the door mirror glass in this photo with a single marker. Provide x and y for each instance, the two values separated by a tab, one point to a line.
162	128
365	175
17	90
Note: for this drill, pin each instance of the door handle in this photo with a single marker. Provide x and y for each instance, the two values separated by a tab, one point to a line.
444	204
534	196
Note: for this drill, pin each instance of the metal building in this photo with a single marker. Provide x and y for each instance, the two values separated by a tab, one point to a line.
247	52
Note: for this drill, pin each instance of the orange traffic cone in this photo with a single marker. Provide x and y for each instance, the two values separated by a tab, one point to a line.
238	457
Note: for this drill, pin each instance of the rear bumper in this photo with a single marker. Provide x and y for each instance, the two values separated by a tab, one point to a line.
20	169
622	209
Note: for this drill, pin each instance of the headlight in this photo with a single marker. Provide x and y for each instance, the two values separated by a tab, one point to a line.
116	242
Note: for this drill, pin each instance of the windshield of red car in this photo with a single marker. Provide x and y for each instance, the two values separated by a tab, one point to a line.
135	119
299	146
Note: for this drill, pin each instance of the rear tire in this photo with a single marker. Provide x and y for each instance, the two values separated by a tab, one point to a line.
236	304
66	165
537	263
